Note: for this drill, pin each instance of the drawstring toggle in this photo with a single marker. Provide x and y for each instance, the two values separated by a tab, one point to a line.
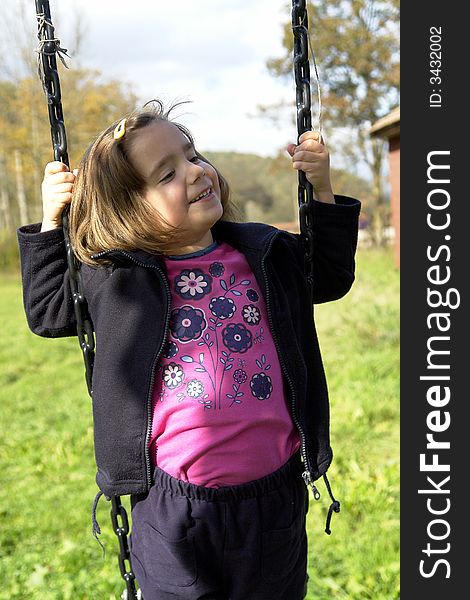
334	506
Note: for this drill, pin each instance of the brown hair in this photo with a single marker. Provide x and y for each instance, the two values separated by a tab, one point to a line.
108	209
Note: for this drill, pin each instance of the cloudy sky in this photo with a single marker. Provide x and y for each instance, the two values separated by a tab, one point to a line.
212	52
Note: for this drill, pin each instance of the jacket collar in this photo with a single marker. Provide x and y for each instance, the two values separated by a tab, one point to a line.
254	237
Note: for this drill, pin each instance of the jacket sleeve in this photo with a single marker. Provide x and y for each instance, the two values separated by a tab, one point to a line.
335	240
47	295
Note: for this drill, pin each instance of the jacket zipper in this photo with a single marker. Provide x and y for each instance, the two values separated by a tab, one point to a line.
306	475
157	356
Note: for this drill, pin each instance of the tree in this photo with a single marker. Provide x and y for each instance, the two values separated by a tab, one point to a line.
90	103
357	52
265	188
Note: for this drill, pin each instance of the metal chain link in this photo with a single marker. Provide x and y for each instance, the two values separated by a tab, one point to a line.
47	50
304	123
122	531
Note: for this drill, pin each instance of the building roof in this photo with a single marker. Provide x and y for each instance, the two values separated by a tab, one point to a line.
388	126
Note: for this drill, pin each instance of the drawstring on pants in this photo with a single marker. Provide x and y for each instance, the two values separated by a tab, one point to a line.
334	506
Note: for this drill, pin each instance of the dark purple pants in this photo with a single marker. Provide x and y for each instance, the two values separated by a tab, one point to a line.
243	542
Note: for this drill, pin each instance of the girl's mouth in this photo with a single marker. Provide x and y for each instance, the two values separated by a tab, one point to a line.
206	195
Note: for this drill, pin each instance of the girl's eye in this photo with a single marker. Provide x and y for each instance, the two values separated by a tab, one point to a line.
170	174
195	159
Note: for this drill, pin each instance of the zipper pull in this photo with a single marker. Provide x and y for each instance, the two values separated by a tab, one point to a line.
306	476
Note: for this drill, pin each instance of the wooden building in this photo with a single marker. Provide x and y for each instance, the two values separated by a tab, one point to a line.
388	128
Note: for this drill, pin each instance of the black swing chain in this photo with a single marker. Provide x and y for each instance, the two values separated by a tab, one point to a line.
305	188
47	50
304	123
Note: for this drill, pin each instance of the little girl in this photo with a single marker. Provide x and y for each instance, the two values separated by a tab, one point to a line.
210	403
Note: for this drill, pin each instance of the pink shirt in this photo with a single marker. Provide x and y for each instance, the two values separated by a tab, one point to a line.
220	414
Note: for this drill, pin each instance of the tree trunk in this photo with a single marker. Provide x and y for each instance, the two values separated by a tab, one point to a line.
379	212
21	196
6	221
36	158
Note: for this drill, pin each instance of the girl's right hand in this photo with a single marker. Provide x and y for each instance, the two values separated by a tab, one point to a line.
57	189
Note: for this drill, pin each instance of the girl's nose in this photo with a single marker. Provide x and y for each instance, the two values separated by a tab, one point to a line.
196	172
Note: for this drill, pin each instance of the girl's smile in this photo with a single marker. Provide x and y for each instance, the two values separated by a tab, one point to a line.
206	195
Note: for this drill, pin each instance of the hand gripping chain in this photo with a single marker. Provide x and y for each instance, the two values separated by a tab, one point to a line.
304	123
47	49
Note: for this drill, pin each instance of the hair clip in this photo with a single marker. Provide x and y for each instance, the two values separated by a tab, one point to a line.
120	129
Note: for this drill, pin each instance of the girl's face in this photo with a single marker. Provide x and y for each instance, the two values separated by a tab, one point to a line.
175	177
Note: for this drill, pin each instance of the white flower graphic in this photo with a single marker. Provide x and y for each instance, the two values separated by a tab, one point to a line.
173	375
195	388
192	284
251	314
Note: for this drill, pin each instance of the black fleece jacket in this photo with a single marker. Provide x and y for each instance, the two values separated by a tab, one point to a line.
129	305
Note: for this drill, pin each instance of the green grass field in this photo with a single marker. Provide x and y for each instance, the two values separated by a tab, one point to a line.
47	465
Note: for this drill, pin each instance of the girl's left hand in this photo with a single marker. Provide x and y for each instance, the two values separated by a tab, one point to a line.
312	157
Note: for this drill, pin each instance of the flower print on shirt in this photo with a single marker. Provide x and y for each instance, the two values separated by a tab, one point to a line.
217	269
195	388
251	314
173	375
237	337
258	337
239	377
261	384
217	331
187	323
193	284
222	307
170	350
252	295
